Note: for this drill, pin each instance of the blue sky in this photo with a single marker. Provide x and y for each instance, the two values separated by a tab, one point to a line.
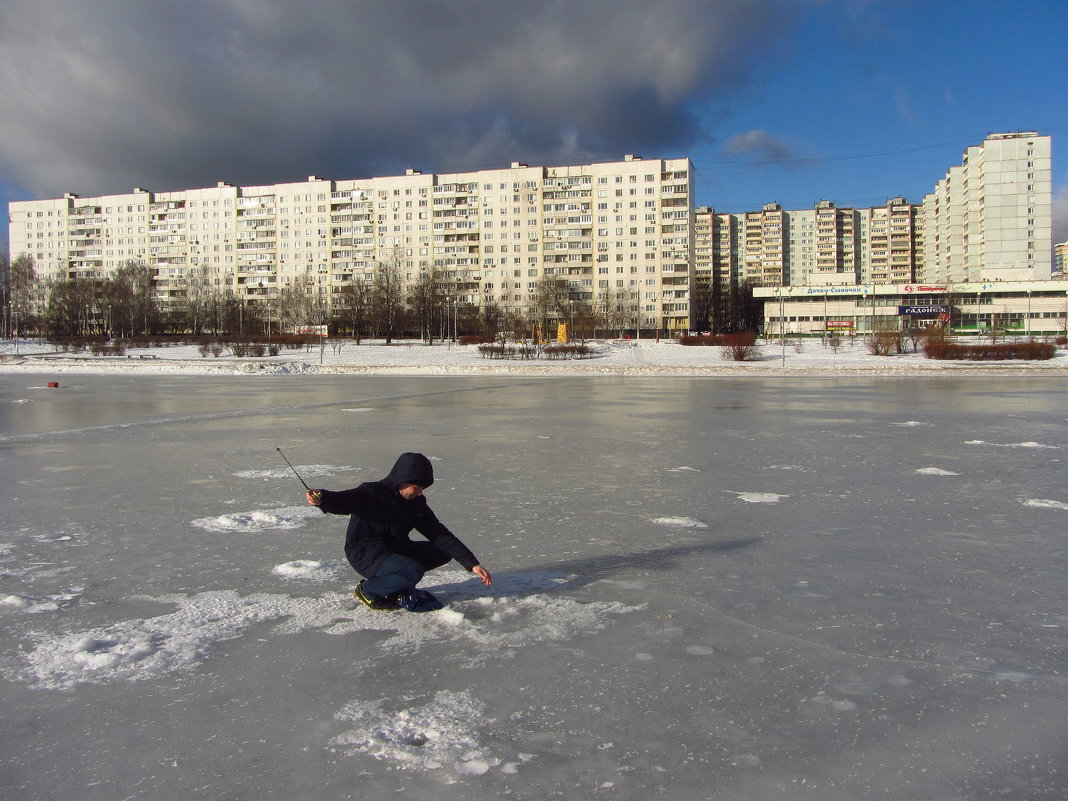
791	101
879	99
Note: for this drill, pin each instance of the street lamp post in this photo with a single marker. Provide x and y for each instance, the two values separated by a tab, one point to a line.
782	324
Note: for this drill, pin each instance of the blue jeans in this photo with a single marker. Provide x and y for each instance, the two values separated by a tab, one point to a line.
399	574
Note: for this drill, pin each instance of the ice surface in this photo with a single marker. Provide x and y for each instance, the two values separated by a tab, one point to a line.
745	589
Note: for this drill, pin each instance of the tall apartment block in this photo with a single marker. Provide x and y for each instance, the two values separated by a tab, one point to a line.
611	231
821	246
991	218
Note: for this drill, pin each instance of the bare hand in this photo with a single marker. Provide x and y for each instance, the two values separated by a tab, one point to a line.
482	574
315	497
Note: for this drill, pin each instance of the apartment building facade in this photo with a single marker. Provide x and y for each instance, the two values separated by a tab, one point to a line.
991	217
617	232
622	234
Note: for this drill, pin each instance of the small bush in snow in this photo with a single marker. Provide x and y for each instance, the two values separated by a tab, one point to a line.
884	343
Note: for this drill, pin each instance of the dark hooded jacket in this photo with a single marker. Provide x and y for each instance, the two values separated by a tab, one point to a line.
381	519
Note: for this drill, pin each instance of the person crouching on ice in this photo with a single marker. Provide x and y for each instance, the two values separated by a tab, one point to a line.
381	516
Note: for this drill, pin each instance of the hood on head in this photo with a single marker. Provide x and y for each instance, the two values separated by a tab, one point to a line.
410	468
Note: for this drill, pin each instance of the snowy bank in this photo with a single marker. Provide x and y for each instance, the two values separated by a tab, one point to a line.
612	358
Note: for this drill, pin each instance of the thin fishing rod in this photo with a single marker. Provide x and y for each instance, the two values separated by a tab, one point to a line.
291	467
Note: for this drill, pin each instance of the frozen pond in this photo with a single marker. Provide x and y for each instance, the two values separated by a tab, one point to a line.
752	589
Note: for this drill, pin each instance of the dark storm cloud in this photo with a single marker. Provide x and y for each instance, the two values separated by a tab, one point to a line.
103	96
761	147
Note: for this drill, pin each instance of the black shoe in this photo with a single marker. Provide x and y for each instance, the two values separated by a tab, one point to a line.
374	602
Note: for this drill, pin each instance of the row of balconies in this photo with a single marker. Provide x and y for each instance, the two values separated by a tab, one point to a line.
341	219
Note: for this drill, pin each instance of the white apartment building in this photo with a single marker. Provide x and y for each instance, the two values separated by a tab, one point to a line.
991	218
821	246
611	231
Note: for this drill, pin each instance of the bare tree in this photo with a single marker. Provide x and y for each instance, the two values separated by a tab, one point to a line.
198	299
426	297
388	294
353	305
300	305
5	281
551	302
131	294
64	308
616	310
26	294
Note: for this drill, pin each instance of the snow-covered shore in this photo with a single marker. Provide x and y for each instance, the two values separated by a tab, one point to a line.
613	358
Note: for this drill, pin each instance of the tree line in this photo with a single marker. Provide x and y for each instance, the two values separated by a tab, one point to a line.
127	304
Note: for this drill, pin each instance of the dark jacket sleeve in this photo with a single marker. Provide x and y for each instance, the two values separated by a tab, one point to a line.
357	501
444	540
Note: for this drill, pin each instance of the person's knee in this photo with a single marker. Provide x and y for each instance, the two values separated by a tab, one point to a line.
409	570
413	573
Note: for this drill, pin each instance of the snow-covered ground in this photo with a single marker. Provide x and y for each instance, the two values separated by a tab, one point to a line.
647	357
826	588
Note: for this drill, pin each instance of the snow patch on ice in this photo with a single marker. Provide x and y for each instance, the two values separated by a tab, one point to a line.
33	606
683	469
679	522
759	497
517	614
911	424
936	471
309	570
305	470
284	518
1044	503
141	649
516	611
440	733
1012	444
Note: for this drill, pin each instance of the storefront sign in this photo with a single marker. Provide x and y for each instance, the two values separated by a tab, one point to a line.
923	311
